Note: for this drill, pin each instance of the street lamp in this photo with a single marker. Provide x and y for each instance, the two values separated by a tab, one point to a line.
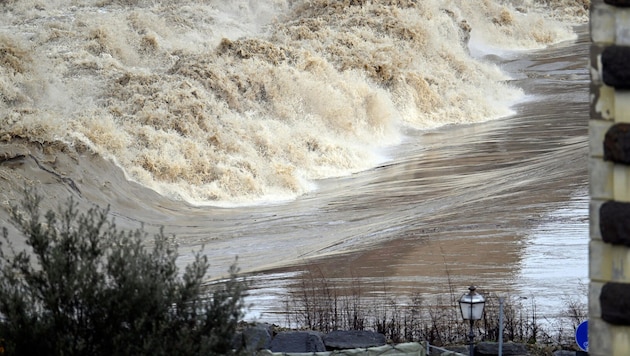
471	305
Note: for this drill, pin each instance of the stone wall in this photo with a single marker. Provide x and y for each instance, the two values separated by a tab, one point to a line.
609	167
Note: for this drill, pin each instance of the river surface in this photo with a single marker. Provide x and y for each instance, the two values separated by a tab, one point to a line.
413	147
502	205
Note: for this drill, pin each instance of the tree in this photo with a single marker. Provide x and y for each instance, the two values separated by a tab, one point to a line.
85	288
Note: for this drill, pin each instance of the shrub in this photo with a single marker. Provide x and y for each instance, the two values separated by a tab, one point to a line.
85	288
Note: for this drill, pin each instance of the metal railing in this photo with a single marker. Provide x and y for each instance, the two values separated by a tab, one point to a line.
444	352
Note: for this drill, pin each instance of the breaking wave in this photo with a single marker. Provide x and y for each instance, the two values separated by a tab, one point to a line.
215	102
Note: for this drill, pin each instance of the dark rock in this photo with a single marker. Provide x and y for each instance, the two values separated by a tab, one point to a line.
297	341
615	303
614	222
237	340
618	3
492	349
564	353
617	144
353	339
257	337
615	70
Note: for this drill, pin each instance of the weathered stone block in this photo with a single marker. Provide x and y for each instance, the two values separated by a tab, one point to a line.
602	24
608	263
617	144
615	66
601	186
602	102
599	337
603	105
605	339
595	63
615	303
622	105
622	31
614	222
621	183
621	341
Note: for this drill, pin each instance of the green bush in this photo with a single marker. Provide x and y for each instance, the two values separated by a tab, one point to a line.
85	288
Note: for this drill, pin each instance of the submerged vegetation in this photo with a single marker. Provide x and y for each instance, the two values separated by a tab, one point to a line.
319	303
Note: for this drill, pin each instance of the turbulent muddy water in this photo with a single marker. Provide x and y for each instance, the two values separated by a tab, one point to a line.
418	146
502	205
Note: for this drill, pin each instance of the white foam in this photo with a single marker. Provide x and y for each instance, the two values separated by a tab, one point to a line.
249	102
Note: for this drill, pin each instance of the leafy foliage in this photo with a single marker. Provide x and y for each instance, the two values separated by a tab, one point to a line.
85	288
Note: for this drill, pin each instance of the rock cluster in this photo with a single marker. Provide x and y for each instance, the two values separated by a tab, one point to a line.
257	337
262	337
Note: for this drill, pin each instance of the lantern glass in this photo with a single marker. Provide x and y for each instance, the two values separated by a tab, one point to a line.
471	305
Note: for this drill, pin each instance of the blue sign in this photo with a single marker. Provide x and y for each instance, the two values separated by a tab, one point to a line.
581	335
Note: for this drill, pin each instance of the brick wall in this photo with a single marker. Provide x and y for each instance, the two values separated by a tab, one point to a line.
609	167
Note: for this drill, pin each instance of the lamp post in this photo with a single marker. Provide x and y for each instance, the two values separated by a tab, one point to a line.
471	305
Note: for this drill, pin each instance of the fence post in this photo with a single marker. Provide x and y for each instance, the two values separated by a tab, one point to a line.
500	326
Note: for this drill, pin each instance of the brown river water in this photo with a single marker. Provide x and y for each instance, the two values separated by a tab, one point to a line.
298	136
502	205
